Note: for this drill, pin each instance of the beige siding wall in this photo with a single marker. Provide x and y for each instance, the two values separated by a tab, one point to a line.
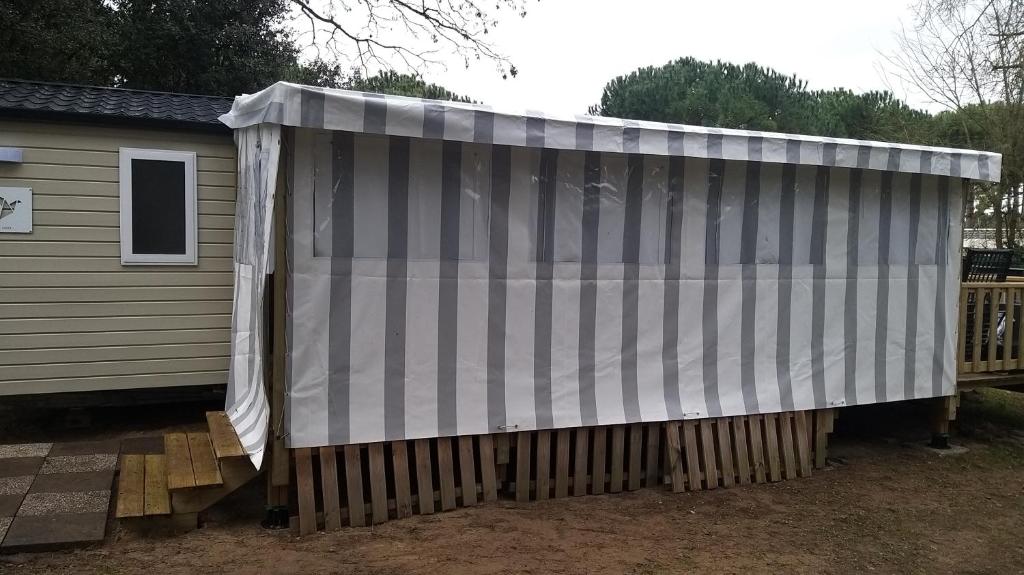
72	318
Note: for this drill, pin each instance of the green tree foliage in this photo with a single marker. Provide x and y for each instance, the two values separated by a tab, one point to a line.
871	116
719	94
223	47
56	40
402	85
690	91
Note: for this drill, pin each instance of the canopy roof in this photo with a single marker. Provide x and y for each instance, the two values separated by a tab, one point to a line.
331	109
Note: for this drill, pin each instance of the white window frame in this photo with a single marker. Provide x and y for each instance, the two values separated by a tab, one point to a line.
128	257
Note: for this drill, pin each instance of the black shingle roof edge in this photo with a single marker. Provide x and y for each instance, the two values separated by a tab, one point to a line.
24	99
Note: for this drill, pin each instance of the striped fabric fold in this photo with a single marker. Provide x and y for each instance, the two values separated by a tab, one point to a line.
246	404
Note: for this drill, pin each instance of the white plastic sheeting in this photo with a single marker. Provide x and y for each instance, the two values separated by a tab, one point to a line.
259	149
459	270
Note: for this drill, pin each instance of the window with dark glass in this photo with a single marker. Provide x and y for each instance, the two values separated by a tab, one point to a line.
158	207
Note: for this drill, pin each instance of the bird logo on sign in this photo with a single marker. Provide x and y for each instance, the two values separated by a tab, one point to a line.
7	208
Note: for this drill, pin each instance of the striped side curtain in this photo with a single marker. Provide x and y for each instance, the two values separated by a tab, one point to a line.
259	150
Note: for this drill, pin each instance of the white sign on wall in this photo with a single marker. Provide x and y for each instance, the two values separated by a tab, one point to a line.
15	210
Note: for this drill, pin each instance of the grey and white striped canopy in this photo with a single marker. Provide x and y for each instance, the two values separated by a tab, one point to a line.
455	270
331	109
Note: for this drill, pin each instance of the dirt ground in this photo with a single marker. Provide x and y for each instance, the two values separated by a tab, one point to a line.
885	505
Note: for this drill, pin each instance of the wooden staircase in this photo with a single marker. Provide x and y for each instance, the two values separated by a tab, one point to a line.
195	471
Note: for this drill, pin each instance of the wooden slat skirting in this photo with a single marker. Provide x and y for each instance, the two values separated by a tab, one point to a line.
357	485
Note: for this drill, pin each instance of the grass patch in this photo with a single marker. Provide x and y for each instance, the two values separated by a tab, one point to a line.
991	407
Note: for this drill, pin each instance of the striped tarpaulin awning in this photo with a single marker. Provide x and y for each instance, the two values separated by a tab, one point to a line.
332	109
449	288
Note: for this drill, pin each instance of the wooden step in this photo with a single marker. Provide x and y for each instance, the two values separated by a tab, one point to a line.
179	462
157	500
131	486
191	461
204	462
222	436
142	487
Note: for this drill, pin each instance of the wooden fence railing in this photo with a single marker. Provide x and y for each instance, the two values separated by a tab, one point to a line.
991	327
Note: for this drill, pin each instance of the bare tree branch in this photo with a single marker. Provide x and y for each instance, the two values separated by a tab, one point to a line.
413	34
968	56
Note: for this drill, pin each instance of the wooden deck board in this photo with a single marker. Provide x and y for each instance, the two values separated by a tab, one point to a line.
222	435
179	462
204	461
131	487
157	498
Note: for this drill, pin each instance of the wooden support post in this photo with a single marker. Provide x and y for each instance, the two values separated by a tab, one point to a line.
820	438
487	467
543	465
329	481
943	412
378	483
707	452
279	460
692	452
403	490
803	444
675	456
307	501
636	445
446	473
579	481
755	423
725	451
424	477
562	463
739	436
653	447
467	470
523	453
786	441
771	445
354	484
597	464
618	458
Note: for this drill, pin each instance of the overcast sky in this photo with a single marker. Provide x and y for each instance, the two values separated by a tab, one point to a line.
566	50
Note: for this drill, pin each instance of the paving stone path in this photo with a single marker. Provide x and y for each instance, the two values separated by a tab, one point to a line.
55	495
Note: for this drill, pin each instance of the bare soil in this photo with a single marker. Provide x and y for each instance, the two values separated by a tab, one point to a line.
885	505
